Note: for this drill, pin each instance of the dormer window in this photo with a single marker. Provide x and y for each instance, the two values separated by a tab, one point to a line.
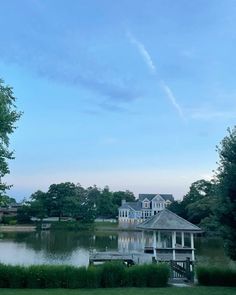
145	204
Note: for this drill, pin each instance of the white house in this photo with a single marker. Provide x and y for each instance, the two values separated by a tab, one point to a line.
147	205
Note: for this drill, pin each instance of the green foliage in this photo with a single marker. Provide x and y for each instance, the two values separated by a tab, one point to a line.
226	178
154	275
198	205
94	277
70	200
113	275
11	220
12	276
24	214
108	275
216	276
5	201
70	225
8	118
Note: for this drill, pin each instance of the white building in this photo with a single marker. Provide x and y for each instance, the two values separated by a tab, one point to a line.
147	205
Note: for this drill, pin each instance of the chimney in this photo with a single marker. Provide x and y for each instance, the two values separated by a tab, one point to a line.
123	202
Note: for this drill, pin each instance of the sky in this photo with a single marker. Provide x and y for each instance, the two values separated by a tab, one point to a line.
130	94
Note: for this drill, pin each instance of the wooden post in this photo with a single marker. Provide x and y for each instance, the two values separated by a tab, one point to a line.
188	272
182	239
173	243
192	247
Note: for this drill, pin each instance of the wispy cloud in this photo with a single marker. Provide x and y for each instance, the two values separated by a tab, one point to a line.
171	97
143	51
152	67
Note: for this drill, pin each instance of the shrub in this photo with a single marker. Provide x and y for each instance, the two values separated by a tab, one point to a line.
12	276
9	220
112	275
216	276
94	277
107	275
153	275
4	276
70	225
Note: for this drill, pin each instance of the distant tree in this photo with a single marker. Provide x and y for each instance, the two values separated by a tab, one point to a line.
40	204
24	214
105	205
226	177
8	118
198	190
63	198
199	202
87	210
5	200
198	205
122	195
178	208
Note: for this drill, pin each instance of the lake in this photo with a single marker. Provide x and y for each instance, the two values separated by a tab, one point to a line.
73	247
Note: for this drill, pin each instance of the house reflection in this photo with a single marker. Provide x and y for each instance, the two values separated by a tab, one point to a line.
133	241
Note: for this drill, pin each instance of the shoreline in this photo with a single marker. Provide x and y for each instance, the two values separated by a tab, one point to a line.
17	228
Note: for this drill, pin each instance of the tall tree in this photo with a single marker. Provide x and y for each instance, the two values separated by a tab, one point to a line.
226	177
8	117
63	197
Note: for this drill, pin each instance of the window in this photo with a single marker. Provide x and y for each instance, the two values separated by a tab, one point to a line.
145	204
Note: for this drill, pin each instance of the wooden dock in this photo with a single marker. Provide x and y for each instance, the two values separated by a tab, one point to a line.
129	258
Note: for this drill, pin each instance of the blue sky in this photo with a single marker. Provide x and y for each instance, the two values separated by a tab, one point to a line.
132	94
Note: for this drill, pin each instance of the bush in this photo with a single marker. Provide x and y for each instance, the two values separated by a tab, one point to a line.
154	275
70	225
108	275
94	277
9	220
112	274
12	276
216	276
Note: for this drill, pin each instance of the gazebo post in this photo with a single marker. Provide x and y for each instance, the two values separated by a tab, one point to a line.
159	239
154	243
173	243
182	239
192	246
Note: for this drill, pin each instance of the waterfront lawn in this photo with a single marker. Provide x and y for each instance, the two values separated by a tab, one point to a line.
127	291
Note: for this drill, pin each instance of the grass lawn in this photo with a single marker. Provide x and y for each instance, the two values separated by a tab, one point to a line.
126	291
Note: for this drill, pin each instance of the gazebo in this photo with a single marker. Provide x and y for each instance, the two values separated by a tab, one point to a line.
173	236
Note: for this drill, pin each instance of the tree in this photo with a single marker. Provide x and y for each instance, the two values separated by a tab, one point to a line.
63	198
178	208
122	195
8	118
5	201
226	178
199	201
105	205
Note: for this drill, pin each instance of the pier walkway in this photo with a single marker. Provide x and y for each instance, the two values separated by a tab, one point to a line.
129	258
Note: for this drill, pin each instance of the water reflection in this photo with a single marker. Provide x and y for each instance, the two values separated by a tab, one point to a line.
71	247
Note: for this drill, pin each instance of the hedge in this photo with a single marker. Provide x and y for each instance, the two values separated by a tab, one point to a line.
216	276
108	275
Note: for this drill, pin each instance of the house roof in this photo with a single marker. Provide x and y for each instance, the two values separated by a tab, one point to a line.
151	196
168	221
133	205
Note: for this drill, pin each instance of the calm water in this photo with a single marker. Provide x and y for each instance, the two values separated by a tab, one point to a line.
67	247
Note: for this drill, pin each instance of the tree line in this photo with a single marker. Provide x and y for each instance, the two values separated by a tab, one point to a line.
72	200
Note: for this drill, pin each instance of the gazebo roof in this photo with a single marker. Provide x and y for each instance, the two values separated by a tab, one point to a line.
166	220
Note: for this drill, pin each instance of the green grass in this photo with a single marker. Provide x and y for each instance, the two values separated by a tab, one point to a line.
126	291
